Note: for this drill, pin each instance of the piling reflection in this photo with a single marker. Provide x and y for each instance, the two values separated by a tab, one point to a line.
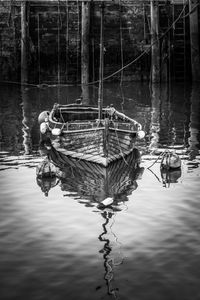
194	126
10	120
175	116
155	118
26	121
167	128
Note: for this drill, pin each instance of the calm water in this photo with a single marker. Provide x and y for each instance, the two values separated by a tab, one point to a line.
145	247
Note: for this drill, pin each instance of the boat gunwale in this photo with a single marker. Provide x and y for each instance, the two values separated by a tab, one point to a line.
85	108
98	128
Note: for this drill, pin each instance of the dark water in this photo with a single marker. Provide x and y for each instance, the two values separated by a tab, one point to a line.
145	247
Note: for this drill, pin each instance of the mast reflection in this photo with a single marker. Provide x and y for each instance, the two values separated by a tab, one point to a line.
109	259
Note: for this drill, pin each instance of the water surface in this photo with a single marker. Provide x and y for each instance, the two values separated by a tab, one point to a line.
146	246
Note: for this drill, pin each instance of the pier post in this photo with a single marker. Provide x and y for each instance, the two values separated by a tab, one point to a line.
194	40
155	48
85	48
24	30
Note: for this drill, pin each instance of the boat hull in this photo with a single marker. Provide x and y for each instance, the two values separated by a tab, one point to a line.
100	145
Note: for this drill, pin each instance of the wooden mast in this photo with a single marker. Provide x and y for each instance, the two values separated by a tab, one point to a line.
85	50
101	61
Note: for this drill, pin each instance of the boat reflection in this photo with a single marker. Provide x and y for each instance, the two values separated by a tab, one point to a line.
91	184
86	180
170	176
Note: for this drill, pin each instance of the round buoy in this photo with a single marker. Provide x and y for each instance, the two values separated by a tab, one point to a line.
170	161
56	131
43	117
175	161
108	201
43	127
141	134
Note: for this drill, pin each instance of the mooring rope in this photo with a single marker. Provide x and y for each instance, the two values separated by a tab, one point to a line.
160	155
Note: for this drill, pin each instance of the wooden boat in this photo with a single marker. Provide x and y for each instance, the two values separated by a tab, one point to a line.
95	134
76	131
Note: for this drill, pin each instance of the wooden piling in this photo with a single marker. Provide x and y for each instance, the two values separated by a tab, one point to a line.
155	49
24	30
85	47
194	40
